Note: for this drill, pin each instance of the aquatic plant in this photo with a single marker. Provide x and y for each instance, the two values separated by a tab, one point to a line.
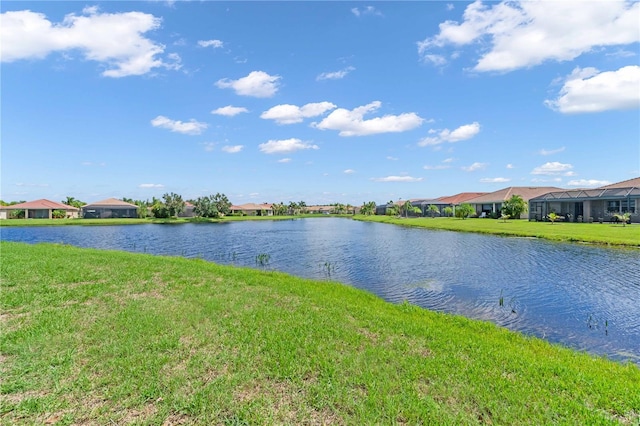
263	259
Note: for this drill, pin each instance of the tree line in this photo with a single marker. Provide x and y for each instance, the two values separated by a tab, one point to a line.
218	205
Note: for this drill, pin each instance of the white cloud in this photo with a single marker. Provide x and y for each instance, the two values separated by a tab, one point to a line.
450	6
284	160
510	166
587	90
474	167
436	60
448	160
397	179
232	149
541	180
336	75
285	146
258	84
209	146
229	111
522	34
551	151
349	172
352	123
150	185
368	10
42	185
113	39
91	163
553	168
191	127
289	114
438	167
464	132
495	180
216	44
392	158
588	183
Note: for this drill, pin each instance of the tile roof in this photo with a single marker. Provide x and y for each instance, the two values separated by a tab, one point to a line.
460	198
526	192
624	184
42	204
110	202
252	206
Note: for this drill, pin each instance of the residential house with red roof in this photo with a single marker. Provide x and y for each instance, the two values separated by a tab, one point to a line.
39	209
491	203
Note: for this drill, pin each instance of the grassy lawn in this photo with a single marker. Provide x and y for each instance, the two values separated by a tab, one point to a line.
595	233
105	337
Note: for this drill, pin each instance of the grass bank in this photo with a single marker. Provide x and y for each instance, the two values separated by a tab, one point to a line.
102	337
593	233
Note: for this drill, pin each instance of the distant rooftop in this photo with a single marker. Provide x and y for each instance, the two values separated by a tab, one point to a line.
110	202
634	182
42	204
526	192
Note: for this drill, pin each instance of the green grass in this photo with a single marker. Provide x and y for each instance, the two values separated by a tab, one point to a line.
106	337
593	233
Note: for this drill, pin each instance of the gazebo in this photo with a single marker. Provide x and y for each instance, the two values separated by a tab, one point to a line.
40	209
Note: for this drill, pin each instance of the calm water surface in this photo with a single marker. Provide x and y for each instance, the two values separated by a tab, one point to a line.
584	297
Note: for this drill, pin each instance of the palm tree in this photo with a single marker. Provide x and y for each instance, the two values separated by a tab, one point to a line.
339	208
293	207
408	207
368	209
433	210
392	209
70	201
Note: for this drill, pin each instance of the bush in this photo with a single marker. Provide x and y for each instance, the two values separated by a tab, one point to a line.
16	214
59	214
160	211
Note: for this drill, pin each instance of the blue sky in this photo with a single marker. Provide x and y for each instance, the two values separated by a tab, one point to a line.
317	101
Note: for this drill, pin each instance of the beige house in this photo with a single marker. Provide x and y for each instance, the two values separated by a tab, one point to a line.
253	209
491	203
39	209
188	210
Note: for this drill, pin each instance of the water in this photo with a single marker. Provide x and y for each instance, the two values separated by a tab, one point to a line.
584	297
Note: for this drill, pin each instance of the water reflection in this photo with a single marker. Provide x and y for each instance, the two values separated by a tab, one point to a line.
582	296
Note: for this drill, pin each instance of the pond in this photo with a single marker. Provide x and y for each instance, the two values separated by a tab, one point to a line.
584	297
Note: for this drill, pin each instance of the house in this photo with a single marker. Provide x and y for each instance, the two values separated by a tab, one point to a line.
491	203
455	200
110	208
589	205
39	209
424	203
253	209
188	210
320	209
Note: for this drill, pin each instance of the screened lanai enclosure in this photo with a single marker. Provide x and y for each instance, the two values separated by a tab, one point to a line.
587	205
111	208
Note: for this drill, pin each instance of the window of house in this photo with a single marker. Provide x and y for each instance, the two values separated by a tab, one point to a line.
628	206
613	206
